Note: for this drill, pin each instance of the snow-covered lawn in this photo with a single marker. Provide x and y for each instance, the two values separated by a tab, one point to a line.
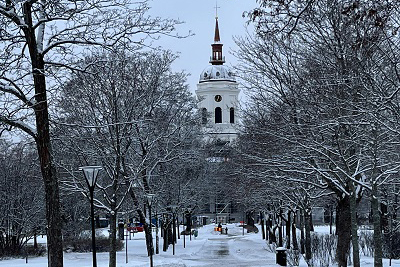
208	249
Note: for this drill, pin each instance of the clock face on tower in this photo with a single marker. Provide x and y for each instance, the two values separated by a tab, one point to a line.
218	98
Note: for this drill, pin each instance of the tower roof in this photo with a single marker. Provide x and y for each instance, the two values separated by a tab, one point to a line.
216	35
217	73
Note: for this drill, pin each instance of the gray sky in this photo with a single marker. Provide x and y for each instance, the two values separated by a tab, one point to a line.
199	17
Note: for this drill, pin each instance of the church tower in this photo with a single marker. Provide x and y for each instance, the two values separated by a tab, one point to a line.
218	93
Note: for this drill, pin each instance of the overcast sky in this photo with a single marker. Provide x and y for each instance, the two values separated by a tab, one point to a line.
199	18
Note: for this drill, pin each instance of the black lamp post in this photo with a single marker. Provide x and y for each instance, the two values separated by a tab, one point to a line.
184	232
150	198
90	173
243	222
157	238
189	222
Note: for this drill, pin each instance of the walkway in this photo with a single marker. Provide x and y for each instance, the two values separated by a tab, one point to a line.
231	250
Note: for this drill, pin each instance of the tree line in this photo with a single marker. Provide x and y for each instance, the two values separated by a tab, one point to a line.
322	119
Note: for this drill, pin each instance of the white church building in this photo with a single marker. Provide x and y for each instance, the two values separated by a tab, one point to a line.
218	93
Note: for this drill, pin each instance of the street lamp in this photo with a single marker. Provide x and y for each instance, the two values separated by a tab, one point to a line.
189	222
157	238
184	232
90	173
243	222
150	198
173	209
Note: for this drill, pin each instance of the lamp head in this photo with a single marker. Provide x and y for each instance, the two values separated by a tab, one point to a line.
150	198
91	173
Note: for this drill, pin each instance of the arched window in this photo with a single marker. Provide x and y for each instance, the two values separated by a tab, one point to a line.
232	115
204	115
218	115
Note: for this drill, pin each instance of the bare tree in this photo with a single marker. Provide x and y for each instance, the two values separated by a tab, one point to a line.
37	39
130	114
315	64
21	207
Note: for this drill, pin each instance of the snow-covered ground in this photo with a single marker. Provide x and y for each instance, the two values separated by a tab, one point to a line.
208	249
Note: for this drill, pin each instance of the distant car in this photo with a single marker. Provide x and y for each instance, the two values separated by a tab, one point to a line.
135	227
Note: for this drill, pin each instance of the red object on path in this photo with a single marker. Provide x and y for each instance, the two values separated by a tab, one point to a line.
135	228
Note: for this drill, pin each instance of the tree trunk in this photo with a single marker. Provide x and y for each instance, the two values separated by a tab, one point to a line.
343	231
377	227
146	229
331	220
288	226
250	218
280	234
177	226
272	237
174	240
113	240
165	234
302	238
147	232
35	244
165	240
188	216
354	226
294	234
267	227
43	144
384	216
262	225
52	196
157	238
307	218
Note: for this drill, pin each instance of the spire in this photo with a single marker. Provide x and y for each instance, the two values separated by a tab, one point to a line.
216	35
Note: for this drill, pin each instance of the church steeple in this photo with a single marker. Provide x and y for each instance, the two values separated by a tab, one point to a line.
217	58
218	93
216	35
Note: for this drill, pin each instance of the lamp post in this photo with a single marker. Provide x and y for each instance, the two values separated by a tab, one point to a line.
90	173
173	209
157	238
243	222
189	222
184	232
150	198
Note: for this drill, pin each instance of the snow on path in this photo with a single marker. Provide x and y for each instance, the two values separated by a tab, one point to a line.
231	250
208	249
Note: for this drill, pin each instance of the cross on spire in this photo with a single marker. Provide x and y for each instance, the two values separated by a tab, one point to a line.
216	8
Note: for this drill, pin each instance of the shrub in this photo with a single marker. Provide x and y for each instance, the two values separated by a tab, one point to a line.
28	250
251	229
366	242
323	249
35	252
84	244
293	257
271	247
391	245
